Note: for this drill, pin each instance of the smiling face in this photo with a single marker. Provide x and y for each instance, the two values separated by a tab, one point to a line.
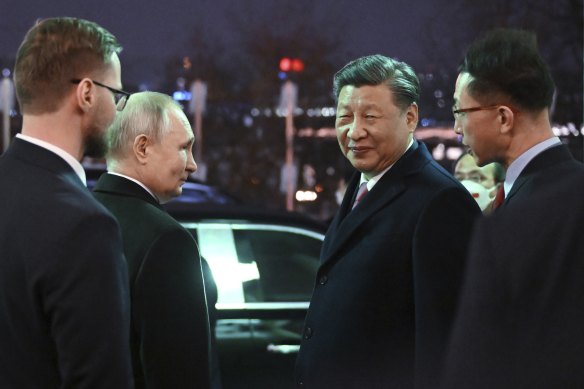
170	160
373	132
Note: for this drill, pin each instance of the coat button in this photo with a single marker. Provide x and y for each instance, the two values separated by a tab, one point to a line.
323	280
307	333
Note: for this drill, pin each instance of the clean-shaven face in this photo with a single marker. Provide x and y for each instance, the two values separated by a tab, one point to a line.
373	133
171	159
479	129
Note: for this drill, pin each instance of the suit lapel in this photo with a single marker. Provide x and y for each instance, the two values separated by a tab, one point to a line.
549	157
390	186
35	155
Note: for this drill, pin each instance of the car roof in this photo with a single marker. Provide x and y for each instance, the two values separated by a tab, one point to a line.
186	212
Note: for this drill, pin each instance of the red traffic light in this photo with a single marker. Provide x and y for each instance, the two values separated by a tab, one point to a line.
291	65
285	64
297	65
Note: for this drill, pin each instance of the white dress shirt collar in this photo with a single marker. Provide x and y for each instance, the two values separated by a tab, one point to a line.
72	161
371	183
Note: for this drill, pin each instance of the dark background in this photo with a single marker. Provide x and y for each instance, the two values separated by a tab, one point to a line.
235	47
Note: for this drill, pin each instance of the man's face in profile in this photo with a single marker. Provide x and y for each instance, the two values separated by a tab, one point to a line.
103	114
170	159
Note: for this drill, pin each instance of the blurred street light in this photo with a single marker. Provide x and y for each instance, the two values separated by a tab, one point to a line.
288	97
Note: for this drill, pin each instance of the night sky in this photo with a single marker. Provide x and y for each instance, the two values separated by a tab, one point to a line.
151	32
419	32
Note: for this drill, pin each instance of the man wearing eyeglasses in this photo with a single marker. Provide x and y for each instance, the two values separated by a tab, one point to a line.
521	314
502	112
64	300
482	182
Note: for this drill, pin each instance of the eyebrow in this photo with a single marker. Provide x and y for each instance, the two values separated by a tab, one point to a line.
364	107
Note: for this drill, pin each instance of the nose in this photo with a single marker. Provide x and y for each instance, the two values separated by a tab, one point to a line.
457	127
191	164
356	130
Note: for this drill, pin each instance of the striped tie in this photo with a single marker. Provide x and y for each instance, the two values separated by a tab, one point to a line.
360	194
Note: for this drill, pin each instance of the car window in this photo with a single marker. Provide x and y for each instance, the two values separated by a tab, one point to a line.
259	263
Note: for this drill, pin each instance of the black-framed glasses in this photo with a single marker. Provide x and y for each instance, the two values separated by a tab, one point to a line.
457	112
120	97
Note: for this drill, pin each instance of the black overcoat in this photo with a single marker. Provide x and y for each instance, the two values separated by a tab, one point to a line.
170	335
387	287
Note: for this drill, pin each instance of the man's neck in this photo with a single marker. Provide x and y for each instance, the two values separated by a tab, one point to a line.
57	129
528	132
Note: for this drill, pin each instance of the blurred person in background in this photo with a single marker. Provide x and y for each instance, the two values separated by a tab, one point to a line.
64	300
392	260
149	159
482	182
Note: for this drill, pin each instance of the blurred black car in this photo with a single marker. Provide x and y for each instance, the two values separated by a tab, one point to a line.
264	265
260	269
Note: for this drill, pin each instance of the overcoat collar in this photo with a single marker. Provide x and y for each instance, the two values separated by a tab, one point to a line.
387	189
120	186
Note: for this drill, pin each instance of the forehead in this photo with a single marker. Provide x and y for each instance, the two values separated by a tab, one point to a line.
461	87
466	163
365	96
180	124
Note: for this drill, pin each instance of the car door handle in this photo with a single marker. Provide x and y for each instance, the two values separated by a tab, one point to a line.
283	348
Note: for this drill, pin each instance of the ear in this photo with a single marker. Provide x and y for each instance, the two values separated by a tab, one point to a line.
506	119
85	94
141	147
412	117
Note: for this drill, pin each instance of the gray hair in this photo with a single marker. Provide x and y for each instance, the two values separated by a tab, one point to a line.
377	69
145	113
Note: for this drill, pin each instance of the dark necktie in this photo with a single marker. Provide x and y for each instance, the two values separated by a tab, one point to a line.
360	194
499	198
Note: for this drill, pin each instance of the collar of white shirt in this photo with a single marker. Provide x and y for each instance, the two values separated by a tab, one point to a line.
137	182
73	162
371	183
